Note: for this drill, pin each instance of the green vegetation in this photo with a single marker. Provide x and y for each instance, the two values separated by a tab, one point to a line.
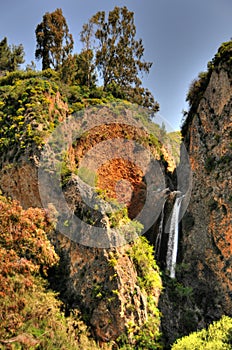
10	57
118	217
174	139
31	315
198	86
88	176
210	163
118	56
27	113
217	337
54	43
223	55
120	69
148	336
142	254
197	89
108	43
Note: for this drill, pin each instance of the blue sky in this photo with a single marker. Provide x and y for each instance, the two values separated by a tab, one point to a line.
179	36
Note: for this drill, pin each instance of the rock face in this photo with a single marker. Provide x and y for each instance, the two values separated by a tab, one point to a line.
202	290
207	225
115	292
103	284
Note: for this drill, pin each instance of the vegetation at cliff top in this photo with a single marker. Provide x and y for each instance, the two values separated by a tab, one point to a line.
54	43
198	86
26	113
29	110
110	52
10	56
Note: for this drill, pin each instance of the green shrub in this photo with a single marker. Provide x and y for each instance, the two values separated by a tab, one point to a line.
27	115
142	254
30	313
148	335
218	336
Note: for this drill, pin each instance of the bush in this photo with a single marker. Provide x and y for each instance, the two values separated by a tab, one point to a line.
217	337
27	114
142	254
30	314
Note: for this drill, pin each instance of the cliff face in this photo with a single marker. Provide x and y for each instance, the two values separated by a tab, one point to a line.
116	287
207	225
105	285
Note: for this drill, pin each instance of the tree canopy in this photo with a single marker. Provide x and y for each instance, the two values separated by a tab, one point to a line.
54	42
10	56
118	55
110	51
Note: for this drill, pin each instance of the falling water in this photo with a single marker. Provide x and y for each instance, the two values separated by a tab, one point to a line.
159	235
173	238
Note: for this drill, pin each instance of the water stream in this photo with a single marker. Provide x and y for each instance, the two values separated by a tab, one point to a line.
159	235
171	257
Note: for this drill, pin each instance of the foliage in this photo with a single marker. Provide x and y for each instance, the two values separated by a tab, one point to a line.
118	56
30	314
197	89
10	57
79	69
142	254
22	233
223	55
210	163
85	69
13	77
178	292
218	336
54	43
27	113
173	141
199	85
68	69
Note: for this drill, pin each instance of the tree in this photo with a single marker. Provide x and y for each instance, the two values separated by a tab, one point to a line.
10	56
79	69
54	43
69	69
118	55
85	58
85	69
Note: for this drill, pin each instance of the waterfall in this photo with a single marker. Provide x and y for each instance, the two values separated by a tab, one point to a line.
159	235
173	238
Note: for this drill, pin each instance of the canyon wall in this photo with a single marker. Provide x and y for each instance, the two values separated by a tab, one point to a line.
206	245
202	290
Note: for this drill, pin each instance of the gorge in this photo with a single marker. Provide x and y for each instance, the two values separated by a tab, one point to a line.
122	198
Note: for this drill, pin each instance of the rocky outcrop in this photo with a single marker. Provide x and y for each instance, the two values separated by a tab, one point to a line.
207	225
202	290
104	285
